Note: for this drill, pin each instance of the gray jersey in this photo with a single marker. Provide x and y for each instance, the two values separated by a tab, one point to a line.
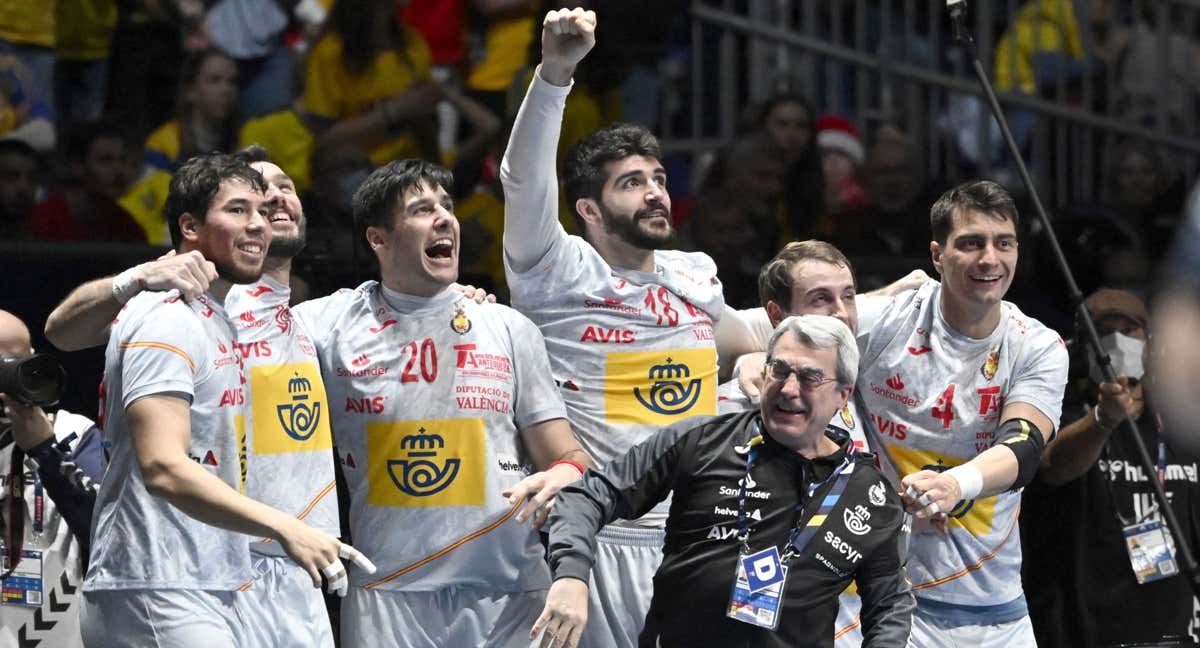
162	345
290	458
936	397
428	397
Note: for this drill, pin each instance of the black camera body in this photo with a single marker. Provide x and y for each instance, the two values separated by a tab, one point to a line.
38	379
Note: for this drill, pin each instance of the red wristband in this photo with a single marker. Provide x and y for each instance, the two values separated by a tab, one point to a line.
574	464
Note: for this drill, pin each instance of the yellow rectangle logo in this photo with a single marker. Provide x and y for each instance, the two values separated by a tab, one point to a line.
291	412
973	515
439	462
660	387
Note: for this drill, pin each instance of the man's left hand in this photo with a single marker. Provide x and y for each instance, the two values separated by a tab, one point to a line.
30	425
928	493
542	491
565	614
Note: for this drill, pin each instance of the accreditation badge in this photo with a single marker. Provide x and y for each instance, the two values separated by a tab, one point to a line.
758	589
1151	552
25	585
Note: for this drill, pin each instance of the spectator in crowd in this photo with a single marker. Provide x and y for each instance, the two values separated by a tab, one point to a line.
443	26
1081	586
84	30
365	57
204	122
1158	83
252	33
506	31
789	121
26	68
842	155
895	218
85	206
19	166
1138	188
718	227
146	55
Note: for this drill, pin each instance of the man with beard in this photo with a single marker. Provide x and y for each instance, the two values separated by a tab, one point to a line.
287	435
169	550
629	326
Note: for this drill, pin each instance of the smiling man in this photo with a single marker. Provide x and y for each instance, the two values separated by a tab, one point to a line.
439	406
171	527
771	517
966	391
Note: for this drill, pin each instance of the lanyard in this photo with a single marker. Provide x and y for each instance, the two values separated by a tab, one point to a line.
799	537
1160	468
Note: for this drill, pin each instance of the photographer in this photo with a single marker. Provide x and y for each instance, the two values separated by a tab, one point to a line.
1090	521
47	463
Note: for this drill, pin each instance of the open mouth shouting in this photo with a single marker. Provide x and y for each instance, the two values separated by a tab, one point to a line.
441	250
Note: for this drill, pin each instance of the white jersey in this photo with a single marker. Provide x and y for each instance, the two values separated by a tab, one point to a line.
936	397
40	600
162	345
631	351
428	399
290	458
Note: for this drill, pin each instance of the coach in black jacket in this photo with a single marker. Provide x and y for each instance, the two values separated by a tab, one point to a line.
831	515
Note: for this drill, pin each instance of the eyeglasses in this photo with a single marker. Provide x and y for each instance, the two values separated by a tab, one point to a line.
808	377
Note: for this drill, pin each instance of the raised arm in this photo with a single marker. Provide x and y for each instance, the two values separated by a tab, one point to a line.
84	319
528	170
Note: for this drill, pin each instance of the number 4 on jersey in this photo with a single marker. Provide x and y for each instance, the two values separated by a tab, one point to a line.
944	409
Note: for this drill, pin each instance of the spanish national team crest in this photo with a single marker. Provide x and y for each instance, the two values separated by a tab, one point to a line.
460	323
991	364
847	417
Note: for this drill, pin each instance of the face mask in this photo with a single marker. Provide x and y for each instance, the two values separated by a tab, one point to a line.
1125	353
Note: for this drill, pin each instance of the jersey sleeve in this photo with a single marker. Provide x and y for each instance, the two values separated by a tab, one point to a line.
758	324
161	352
318	316
1040	377
536	397
870	311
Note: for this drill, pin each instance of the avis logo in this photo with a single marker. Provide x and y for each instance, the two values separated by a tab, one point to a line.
668	394
895	382
298	418
361	361
419	473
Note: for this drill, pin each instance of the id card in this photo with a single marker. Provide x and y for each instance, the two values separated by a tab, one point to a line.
758	589
24	585
1151	552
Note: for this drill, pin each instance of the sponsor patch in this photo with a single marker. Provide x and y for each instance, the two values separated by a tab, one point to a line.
291	411
659	387
439	462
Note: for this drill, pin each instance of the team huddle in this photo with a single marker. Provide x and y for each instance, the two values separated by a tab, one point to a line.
878	449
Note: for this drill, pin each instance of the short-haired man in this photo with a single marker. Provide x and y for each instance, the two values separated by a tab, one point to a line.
629	325
440	404
287	438
966	391
815	278
169	551
770	520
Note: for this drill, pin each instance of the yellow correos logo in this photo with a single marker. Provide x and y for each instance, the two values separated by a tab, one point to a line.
660	386
291	412
973	515
426	463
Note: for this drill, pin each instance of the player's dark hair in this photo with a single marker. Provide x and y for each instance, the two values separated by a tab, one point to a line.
253	154
197	182
983	196
383	191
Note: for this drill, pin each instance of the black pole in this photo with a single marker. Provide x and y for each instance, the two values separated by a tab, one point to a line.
1187	561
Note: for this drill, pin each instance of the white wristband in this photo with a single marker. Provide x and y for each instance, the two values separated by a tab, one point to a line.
970	480
126	285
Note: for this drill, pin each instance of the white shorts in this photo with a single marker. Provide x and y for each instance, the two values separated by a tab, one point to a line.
847	630
929	633
282	609
621	585
177	618
456	616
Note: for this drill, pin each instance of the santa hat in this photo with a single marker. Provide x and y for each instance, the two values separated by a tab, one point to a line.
838	134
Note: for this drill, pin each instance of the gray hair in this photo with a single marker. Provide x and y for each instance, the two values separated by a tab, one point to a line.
822	332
